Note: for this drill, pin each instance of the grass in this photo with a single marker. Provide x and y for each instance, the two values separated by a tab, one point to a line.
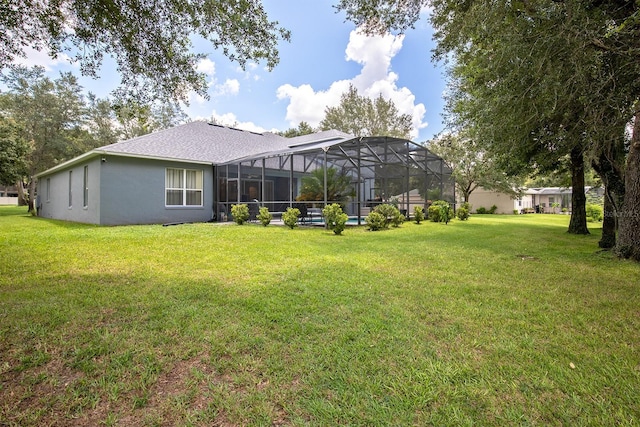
501	320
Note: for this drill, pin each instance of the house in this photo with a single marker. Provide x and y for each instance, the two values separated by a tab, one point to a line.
506	204
530	200
8	195
196	171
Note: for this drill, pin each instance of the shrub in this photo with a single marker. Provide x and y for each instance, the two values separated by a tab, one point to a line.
398	219
376	221
290	217
335	218
462	214
418	214
440	211
594	212
391	214
433	213
493	209
481	210
240	213
264	216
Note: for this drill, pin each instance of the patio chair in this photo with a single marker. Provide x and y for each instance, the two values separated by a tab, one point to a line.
304	215
254	210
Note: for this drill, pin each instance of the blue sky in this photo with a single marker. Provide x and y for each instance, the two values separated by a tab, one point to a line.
324	56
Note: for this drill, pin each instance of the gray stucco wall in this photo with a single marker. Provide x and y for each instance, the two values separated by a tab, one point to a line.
132	191
53	198
122	190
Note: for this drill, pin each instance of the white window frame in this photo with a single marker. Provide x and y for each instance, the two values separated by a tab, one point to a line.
184	189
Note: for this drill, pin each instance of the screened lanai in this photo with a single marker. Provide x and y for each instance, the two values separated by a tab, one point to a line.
376	169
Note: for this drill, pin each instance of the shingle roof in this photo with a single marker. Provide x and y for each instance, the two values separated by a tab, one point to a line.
199	141
203	142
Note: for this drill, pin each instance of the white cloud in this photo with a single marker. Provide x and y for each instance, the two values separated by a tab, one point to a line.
206	66
231	120
307	105
375	55
229	87
41	58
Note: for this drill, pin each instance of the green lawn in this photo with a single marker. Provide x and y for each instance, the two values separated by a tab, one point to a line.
501	320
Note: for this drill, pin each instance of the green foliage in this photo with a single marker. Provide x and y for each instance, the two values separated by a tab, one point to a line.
440	211
14	150
290	217
137	119
240	213
471	166
264	216
338	186
482	210
335	218
376	221
398	219
462	213
384	215
595	213
303	128
391	214
150	41
363	116
418	214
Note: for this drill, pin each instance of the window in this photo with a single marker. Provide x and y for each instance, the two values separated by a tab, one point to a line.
70	188
183	187
48	189
85	194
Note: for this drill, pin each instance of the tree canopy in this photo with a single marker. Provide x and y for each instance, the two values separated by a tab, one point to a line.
471	166
303	128
539	81
13	152
362	116
150	41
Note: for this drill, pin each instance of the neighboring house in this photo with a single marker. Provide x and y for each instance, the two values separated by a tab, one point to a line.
195	172
8	195
506	204
538	200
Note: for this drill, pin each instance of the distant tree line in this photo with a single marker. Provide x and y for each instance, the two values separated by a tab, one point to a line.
45	121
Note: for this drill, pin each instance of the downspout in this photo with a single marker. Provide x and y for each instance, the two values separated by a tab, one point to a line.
214	193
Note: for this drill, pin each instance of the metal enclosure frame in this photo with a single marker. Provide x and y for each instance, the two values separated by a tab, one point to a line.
382	170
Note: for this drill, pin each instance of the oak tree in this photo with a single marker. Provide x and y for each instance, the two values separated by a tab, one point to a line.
151	42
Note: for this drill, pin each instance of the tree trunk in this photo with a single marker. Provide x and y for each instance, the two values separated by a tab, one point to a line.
608	239
609	165
628	244
22	196
32	197
578	222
